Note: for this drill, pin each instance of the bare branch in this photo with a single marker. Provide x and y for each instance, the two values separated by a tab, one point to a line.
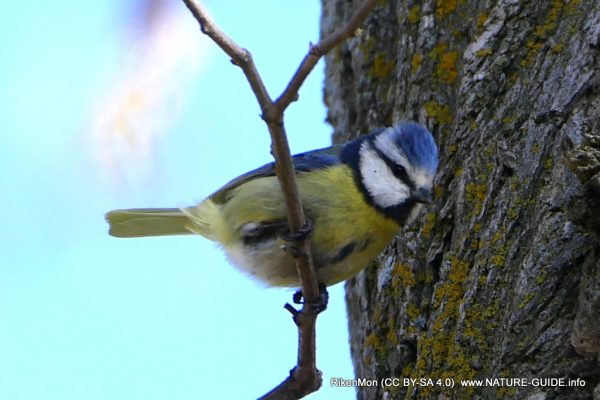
239	56
305	378
290	93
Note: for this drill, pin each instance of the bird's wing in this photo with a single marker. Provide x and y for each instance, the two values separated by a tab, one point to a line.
304	162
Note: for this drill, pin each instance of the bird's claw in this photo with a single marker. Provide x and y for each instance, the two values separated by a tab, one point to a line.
303	233
319	305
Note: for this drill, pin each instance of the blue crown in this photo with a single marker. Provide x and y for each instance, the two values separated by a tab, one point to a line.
417	144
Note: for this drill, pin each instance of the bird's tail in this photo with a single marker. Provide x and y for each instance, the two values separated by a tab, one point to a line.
140	222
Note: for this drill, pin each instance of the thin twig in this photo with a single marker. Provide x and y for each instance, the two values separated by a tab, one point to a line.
290	93
239	56
305	378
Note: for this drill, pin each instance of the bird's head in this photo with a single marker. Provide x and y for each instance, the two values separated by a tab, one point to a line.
396	167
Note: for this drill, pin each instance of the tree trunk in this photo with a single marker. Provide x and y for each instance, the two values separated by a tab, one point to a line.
501	277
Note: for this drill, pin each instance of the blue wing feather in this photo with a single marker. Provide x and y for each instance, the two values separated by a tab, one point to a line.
303	162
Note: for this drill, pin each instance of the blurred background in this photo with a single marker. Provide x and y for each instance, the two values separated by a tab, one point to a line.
119	104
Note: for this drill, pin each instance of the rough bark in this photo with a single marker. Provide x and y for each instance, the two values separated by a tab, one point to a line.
501	277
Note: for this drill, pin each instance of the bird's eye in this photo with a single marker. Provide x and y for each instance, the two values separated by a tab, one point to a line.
399	169
400	173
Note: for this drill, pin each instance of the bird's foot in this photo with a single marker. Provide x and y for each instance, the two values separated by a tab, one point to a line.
292	239
303	233
320	304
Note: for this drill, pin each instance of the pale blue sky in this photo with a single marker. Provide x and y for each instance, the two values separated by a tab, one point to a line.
87	316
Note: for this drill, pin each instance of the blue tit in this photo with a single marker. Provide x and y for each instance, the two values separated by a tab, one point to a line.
358	195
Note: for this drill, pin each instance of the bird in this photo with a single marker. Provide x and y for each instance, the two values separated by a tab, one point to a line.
358	195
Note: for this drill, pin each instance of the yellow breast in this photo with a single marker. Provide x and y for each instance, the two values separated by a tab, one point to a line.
348	232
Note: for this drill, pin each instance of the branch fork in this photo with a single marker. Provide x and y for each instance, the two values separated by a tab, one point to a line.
305	378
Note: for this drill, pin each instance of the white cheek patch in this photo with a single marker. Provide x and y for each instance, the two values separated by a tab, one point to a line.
385	188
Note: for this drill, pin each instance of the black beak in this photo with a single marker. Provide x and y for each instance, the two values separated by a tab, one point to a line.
422	195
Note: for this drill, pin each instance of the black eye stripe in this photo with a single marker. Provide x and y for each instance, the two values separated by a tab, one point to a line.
398	170
400	173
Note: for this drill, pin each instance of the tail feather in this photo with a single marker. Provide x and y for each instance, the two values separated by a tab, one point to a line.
204	219
140	222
